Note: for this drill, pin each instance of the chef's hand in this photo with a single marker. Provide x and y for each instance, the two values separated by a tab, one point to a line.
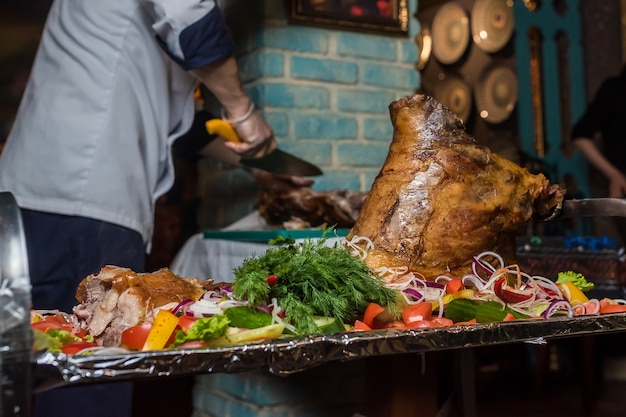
257	137
276	183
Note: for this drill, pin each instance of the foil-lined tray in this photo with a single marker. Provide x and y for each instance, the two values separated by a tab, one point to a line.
288	356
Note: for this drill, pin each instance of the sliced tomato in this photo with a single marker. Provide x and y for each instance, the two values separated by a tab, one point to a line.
135	337
420	324
454	285
395	324
47	325
73	348
185	322
193	344
371	312
471	321
442	322
417	312
359	326
508	317
612	308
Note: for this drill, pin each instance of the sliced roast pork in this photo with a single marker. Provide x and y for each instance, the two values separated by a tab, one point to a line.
117	298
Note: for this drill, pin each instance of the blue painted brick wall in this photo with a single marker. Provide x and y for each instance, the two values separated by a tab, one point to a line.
327	92
311	393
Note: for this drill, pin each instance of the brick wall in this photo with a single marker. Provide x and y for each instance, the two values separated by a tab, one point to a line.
334	390
326	94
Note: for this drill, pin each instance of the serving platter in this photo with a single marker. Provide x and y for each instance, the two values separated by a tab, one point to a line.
285	356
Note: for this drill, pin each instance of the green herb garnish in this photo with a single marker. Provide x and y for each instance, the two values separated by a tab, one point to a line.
313	279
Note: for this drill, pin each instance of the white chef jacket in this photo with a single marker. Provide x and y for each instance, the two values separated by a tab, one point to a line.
108	95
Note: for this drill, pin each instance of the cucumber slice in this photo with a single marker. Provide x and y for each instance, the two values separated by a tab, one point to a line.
461	309
328	325
253	335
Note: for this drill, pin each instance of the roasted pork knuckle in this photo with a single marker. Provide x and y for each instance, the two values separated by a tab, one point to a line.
440	198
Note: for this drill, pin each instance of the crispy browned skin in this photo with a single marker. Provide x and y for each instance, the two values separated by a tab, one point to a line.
117	298
338	208
440	198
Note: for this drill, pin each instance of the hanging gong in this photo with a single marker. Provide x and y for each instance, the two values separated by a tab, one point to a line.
492	24
455	94
450	33
496	94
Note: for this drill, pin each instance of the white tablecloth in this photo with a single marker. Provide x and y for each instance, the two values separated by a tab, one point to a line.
216	258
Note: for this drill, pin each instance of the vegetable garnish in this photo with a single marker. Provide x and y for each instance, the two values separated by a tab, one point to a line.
315	280
575	278
204	329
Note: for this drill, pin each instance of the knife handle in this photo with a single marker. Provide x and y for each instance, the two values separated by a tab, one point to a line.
222	128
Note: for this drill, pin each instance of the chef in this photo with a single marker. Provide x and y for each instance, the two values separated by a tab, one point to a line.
110	90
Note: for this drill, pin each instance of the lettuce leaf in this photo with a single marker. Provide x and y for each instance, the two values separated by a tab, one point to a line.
575	278
53	340
204	329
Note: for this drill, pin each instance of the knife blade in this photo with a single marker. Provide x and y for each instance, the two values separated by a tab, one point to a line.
591	207
276	162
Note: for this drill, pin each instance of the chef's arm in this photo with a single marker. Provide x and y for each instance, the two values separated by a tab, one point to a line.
223	80
617	186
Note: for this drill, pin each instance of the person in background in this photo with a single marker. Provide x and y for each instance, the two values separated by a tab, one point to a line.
600	135
111	89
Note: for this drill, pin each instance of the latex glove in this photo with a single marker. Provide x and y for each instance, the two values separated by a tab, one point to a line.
257	137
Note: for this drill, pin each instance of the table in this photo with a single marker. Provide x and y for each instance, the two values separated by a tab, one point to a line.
217	258
208	258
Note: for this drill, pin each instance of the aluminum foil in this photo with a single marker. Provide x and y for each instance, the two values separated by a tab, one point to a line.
288	356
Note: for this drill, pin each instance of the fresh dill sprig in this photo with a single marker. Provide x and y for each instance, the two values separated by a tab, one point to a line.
313	279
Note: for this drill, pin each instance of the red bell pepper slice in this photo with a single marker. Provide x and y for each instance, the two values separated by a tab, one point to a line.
509	294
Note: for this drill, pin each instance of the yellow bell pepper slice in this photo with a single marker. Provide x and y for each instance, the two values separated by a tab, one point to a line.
164	325
572	293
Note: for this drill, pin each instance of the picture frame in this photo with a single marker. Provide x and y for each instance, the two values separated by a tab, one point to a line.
375	16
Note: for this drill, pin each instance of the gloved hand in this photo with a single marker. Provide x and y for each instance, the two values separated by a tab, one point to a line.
257	137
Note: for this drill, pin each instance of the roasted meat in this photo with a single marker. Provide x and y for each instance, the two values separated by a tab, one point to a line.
441	198
304	207
117	298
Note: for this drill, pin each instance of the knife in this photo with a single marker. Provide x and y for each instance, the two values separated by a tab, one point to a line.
276	162
590	207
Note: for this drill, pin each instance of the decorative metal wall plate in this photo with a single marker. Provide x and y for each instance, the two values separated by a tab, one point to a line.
496	94
424	42
492	24
456	95
450	33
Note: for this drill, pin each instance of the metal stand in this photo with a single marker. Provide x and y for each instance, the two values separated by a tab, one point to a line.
15	305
